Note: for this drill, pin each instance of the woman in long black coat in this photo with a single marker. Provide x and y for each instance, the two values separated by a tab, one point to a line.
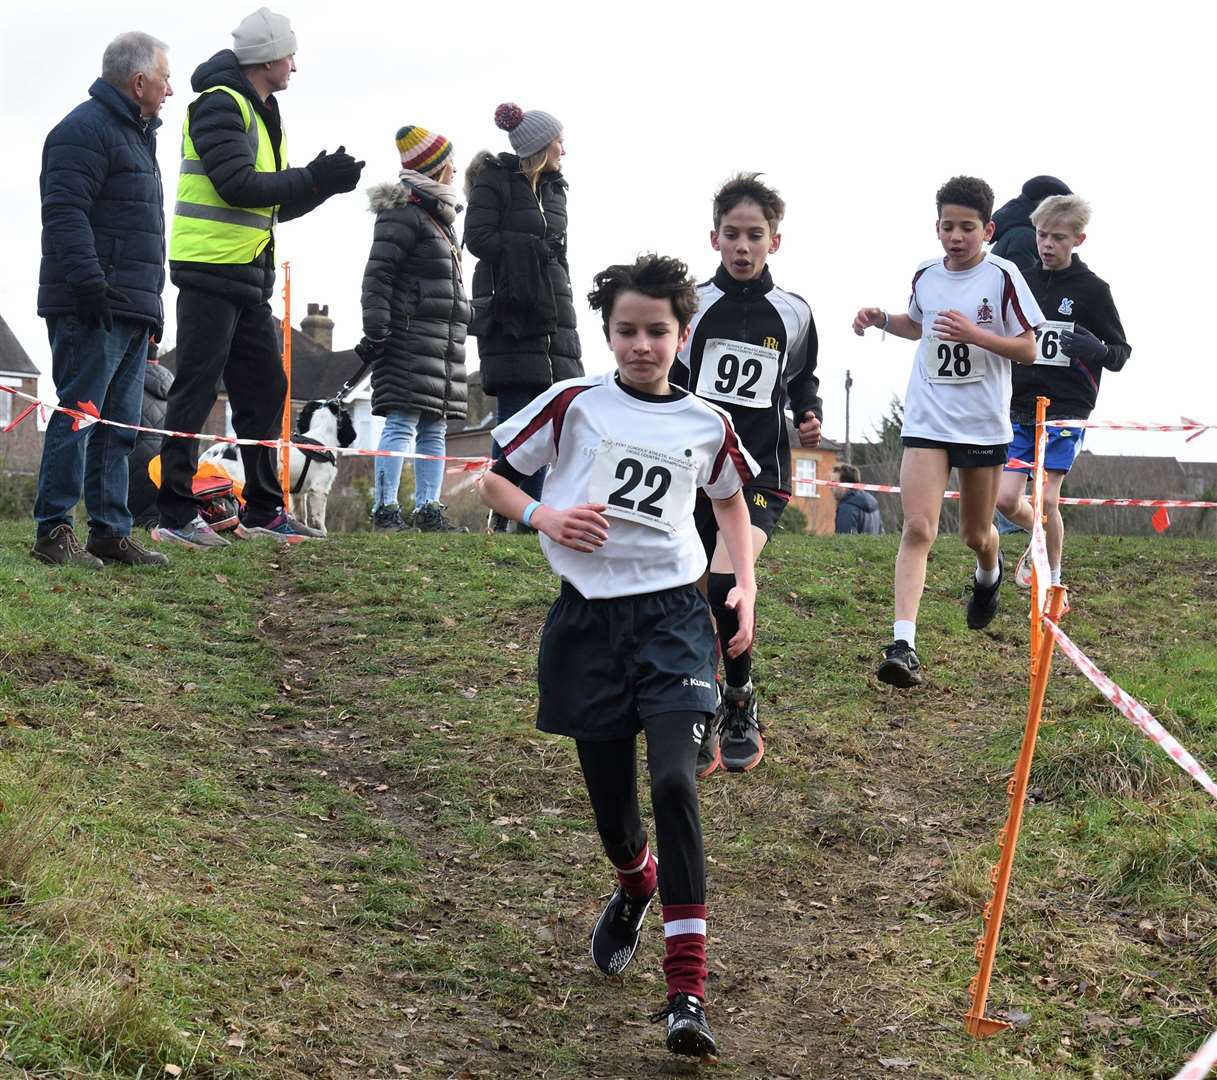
523	304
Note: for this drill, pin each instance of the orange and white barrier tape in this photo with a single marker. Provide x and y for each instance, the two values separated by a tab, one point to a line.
87	415
894	489
1194	426
1199	1066
1039	540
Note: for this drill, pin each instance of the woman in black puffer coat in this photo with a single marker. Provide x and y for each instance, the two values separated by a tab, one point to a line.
523	305
414	320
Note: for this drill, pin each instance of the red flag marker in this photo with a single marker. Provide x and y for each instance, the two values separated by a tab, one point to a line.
1161	519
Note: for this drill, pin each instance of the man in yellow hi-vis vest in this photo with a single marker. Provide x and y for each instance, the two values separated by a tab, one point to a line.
235	184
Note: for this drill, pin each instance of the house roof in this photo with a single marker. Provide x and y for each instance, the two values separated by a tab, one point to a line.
317	373
13	358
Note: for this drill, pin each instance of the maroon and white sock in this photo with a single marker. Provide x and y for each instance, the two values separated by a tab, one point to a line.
641	876
684	958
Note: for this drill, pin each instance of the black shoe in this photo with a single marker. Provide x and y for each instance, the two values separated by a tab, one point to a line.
900	666
739	733
124	549
982	605
615	938
688	1032
61	548
389	519
430	518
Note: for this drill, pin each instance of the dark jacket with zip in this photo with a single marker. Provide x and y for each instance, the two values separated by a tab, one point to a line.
103	208
1013	233
218	133
414	301
519	239
858	512
1076	295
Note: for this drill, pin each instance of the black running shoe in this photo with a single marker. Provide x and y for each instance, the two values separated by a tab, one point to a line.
688	1032
982	605
900	666
739	734
615	938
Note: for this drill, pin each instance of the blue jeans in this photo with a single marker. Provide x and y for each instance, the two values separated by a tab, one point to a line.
507	404
107	369
416	433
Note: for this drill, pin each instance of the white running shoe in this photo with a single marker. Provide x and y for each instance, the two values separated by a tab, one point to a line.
1022	572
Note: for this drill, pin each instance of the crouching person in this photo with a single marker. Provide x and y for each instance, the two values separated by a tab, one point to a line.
629	646
414	320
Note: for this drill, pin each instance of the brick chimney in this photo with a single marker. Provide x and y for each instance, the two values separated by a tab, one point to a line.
319	326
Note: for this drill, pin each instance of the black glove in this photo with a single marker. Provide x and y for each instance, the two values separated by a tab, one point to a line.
335	173
369	350
92	304
1080	344
557	247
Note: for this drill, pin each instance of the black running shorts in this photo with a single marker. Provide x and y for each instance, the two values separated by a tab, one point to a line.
764	509
605	665
964	455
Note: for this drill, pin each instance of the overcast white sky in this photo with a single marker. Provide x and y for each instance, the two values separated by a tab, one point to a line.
857	112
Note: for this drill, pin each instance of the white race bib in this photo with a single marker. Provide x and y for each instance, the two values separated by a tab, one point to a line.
642	484
738	373
951	363
1048	343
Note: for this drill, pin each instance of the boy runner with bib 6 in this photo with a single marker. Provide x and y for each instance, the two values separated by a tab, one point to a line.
1083	337
972	314
752	351
629	645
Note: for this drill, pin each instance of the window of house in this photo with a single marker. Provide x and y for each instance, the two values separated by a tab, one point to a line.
7	401
805	486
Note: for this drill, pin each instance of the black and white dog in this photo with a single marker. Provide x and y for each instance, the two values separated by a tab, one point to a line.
324	423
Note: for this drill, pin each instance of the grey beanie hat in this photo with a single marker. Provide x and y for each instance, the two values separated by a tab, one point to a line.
263	36
529	132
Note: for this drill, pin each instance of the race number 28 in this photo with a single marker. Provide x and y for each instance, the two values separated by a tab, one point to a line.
954	361
657	479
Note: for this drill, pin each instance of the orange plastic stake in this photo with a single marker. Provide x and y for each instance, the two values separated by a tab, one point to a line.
285	434
975	1020
1037	511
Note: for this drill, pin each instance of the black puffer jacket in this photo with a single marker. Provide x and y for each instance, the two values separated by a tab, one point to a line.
218	133
141	491
103	209
414	301
505	219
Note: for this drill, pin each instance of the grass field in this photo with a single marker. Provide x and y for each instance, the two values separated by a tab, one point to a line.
283	814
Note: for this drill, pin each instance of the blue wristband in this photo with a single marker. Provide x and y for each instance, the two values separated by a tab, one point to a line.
529	510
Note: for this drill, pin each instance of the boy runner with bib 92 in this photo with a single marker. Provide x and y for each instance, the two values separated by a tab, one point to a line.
752	351
972	314
1084	337
629	645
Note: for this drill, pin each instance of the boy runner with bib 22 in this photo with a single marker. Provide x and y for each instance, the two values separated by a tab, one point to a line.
971	315
1083	337
629	646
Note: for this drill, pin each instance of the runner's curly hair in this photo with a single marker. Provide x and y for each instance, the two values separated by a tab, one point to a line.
747	187
657	276
969	191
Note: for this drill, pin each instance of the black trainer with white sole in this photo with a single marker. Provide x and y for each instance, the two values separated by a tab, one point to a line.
982	605
688	1032
615	938
900	667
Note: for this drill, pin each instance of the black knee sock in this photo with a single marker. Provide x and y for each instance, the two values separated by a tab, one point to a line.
737	669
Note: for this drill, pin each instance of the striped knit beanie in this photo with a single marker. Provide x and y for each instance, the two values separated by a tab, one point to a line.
529	132
422	150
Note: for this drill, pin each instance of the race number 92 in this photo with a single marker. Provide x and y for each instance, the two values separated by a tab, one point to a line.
730	371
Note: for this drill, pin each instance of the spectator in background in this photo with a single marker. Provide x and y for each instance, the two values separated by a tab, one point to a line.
142	491
234	185
523	305
414	320
857	511
99	289
1014	235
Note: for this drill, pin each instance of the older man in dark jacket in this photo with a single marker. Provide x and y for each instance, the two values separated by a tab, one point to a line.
235	185
99	289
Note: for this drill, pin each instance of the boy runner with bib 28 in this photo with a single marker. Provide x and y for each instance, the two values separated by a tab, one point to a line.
972	315
752	351
629	646
1083	338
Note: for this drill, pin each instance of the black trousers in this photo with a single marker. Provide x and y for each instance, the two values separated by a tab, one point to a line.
218	338
610	770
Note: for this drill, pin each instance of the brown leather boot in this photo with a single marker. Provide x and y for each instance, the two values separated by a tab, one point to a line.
124	549
61	548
